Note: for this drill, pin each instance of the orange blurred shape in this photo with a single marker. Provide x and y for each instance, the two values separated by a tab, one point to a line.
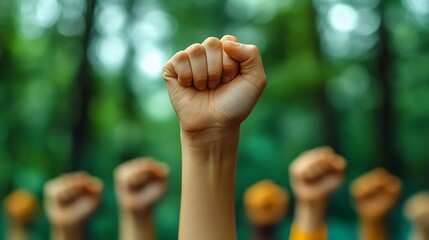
21	205
266	203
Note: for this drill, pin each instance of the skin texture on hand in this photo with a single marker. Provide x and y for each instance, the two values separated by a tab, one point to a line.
314	176
214	84
416	209
140	184
375	194
70	200
213	87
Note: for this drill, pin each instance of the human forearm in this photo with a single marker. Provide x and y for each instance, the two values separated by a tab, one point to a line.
67	233
136	226
208	184
420	233
373	229
310	216
309	222
17	231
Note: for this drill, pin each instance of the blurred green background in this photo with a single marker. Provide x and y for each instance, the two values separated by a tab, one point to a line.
81	89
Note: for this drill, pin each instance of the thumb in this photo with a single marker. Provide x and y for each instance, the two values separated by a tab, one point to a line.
250	61
240	52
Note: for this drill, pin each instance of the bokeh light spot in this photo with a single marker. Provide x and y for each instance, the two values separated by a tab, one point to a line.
343	17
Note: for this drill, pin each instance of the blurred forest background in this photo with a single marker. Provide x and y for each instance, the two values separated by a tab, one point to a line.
81	89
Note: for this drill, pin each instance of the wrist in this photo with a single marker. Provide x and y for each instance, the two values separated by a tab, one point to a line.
136	225
65	232
145	215
205	139
310	215
421	232
373	228
213	148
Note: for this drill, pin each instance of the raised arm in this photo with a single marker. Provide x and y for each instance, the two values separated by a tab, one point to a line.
213	87
416	209
20	207
315	174
375	193
70	200
140	184
266	205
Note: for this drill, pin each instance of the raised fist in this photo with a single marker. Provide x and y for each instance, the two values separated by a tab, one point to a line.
214	84
266	203
20	206
71	198
315	174
375	193
417	209
140	183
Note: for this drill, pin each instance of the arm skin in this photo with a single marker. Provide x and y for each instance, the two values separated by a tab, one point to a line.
136	226
375	194
208	185
20	207
140	184
213	87
416	209
17	231
67	232
69	201
315	174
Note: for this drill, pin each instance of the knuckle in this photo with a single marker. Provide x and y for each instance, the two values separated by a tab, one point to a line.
196	49
230	38
212	42
253	49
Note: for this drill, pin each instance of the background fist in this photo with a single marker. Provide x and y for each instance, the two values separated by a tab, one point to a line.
315	174
375	193
417	209
21	206
266	203
215	83
71	198
140	183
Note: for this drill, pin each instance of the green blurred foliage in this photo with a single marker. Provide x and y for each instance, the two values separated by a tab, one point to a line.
84	92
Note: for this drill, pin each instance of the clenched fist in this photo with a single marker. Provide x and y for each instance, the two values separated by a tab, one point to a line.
416	209
21	206
71	198
140	184
375	193
315	174
266	203
214	84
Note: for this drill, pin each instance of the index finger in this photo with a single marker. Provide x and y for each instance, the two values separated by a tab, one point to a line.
230	66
